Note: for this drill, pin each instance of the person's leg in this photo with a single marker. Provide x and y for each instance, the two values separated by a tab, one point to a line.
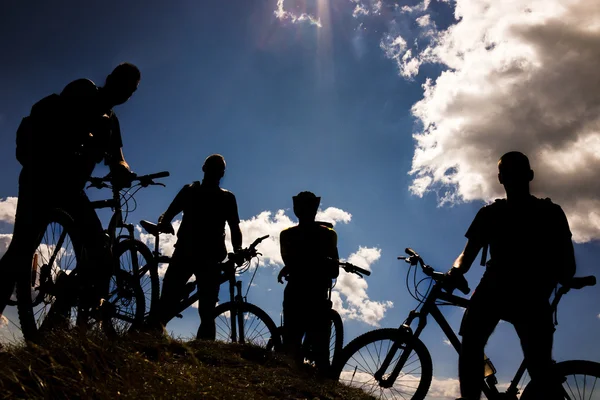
479	322
319	332
208	283
536	331
177	275
95	263
293	324
25	239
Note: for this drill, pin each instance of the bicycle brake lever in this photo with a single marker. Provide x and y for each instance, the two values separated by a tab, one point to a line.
159	184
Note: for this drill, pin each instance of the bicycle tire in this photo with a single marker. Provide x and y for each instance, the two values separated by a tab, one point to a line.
565	369
348	364
30	320
147	270
124	291
336	340
251	333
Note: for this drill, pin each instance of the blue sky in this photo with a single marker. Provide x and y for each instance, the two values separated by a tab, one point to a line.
292	106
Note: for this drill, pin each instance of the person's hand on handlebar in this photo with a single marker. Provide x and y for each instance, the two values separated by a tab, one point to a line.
284	273
122	176
455	279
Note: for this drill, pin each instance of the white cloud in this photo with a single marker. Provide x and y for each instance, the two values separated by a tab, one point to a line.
444	389
423	6
350	297
377	7
359	10
447	342
424	20
5	239
521	75
8	209
283	15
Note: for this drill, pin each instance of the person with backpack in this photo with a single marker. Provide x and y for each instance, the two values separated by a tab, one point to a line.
531	252
310	255
58	146
200	245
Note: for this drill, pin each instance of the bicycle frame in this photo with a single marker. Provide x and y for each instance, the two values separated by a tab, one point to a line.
431	308
116	221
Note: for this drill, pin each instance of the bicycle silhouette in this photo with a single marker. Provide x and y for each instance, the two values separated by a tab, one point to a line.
58	282
395	364
336	337
236	321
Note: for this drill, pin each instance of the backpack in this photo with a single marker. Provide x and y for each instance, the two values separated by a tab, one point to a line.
34	134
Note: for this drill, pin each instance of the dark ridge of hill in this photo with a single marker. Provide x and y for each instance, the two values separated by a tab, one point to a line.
69	366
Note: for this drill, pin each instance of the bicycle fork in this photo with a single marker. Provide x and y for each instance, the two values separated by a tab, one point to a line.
238	318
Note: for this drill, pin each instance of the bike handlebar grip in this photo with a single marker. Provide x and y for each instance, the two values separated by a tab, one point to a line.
362	271
103	204
411	252
581	282
163	174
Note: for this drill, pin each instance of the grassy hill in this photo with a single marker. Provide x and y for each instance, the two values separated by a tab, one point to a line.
142	367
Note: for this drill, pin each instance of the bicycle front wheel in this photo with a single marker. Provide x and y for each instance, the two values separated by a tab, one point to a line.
580	380
136	259
258	330
361	365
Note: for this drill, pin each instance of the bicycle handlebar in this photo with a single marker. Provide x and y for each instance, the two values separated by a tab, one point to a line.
581	282
144	180
415	259
353	269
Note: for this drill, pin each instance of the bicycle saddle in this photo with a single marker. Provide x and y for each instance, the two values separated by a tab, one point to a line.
150	227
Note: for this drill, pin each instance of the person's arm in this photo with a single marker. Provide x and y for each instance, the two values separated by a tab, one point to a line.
463	262
333	254
284	247
115	159
476	238
233	220
565	249
175	207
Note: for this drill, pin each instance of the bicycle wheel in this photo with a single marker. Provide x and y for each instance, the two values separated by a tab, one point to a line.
126	304
136	259
360	360
580	380
336	339
259	328
51	273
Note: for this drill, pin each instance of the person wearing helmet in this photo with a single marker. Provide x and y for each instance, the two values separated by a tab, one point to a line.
531	251
200	243
309	252
58	146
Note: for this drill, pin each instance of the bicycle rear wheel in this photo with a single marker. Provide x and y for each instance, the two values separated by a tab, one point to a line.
359	363
259	329
136	259
336	339
51	273
580	380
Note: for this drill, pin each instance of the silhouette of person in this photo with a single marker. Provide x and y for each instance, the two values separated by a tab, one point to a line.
309	252
200	243
72	132
531	251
